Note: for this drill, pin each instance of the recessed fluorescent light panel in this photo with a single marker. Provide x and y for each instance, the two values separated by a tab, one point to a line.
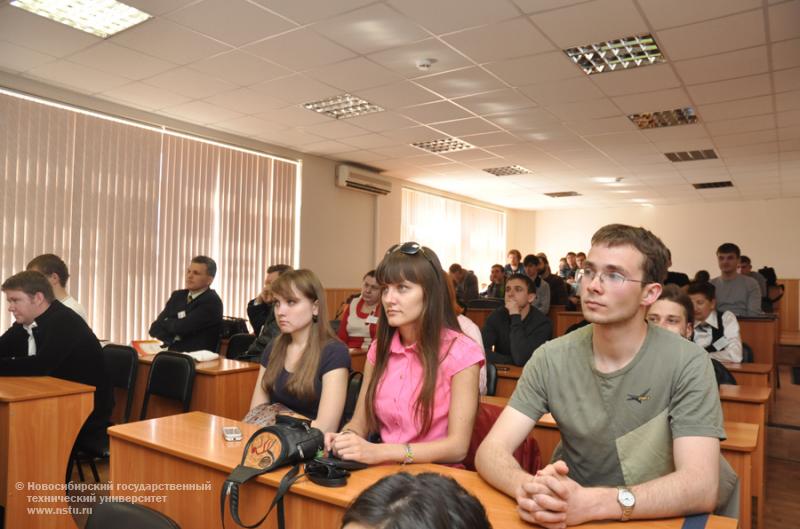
713	185
664	118
563	194
443	145
619	54
343	107
691	156
102	18
508	170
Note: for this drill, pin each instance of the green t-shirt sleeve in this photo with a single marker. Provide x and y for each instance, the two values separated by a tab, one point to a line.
530	395
694	408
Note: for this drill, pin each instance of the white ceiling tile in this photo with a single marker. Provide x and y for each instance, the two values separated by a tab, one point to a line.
534	6
683	144
300	49
644	79
653	101
720	91
18	59
328	147
296	89
370	141
598	126
592	22
714	36
144	96
485	158
526	119
190	83
397	95
463	82
748	124
399	151
76	76
335	130
309	11
234	22
787	80
496	42
371	29
360	156
118	60
681	12
746	138
435	112
249	126
201	112
619	140
382	121
166	40
783	21
355	74
444	16
491	139
582	110
789	119
414	134
404	59
295	116
245	101
786	54
290	138
564	91
545	67
787	101
158	7
463	127
721	66
495	102
789	133
240	68
677	133
735	109
40	34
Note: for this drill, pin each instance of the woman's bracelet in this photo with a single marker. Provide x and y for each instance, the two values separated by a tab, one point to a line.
409	455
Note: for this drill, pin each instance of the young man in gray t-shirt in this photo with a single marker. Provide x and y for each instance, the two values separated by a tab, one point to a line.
637	406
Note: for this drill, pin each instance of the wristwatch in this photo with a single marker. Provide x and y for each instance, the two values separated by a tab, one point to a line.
627	501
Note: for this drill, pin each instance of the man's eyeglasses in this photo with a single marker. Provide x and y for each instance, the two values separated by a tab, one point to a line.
614	279
412	248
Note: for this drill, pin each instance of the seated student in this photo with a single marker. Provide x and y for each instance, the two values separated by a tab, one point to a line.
715	331
514	265
674	311
746	269
466	284
48	339
265	315
360	319
701	276
259	309
568	272
420	390
192	317
558	287
512	333
55	270
423	501
542	300
306	367
735	292
497	287
675	278
469	328
637	407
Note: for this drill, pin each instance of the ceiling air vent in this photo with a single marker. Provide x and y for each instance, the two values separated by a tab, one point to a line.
562	194
619	54
691	156
664	118
713	185
443	145
508	170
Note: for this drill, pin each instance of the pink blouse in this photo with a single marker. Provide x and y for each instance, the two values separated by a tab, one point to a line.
401	383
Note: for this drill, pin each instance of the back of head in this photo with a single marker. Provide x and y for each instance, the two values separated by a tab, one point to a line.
424	501
31	283
704	288
654	252
48	264
280	268
211	265
676	295
455	268
530	260
701	276
729	247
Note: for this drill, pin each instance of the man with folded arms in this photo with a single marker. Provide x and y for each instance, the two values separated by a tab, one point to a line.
637	406
192	318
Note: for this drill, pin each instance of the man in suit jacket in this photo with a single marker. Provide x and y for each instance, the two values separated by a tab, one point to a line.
192	317
49	339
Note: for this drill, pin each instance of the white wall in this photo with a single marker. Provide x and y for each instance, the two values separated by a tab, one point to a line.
765	230
520	232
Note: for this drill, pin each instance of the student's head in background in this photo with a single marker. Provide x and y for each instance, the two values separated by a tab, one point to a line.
673	311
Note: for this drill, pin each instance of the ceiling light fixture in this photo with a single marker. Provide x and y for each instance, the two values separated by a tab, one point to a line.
691	156
508	170
102	18
713	185
664	118
563	194
343	106
443	145
619	54
608	179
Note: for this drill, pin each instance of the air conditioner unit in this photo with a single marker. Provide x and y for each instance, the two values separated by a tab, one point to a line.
362	180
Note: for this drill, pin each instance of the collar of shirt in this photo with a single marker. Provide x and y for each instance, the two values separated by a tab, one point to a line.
30	328
196	293
711	320
397	347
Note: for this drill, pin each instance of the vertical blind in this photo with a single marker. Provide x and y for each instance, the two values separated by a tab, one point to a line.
458	232
127	207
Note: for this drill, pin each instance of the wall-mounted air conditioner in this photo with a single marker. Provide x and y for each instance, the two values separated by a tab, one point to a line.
359	179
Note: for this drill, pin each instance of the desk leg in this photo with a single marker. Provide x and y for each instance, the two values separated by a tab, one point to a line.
741	462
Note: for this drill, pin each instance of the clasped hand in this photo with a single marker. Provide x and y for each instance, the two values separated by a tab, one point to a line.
552	499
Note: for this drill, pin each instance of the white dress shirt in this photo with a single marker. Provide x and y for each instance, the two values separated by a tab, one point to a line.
729	347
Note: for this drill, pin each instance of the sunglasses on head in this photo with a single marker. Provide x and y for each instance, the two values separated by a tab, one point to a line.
413	248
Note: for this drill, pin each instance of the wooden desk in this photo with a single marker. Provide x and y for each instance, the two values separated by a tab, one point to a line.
507	376
222	387
358	358
564	320
762	335
478	316
40	418
759	375
189	448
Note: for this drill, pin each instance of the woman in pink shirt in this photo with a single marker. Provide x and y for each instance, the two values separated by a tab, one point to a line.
420	389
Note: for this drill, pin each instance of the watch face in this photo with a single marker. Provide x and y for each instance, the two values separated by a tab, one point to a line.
626	498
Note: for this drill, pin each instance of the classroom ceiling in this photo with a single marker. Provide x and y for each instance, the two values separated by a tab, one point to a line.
498	80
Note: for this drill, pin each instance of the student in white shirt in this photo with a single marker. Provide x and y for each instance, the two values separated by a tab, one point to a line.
717	332
55	270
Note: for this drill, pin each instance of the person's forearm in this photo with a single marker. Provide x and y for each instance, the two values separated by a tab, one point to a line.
677	494
499	468
447	450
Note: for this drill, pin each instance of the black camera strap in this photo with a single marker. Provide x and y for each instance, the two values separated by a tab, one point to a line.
239	476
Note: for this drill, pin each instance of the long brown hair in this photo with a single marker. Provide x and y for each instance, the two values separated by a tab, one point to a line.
422	268
301	382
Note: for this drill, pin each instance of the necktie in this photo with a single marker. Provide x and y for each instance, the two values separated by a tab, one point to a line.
189	299
31	340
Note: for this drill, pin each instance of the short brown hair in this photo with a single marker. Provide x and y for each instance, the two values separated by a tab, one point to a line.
654	252
280	268
515	252
30	282
675	294
49	263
